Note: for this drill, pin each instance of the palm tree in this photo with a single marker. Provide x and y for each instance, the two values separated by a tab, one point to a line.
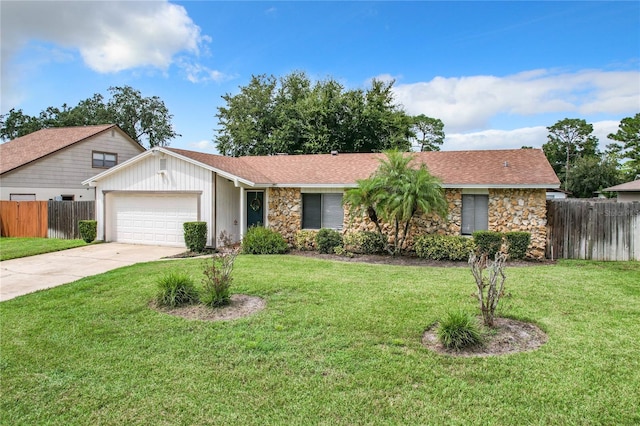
396	193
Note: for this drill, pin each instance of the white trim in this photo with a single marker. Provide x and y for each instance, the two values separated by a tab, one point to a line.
154	151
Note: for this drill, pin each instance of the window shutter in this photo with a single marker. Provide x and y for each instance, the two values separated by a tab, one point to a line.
481	220
468	217
332	211
311	211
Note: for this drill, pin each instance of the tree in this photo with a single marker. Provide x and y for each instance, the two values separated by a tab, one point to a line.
396	192
144	119
629	134
295	116
568	140
592	174
16	124
429	132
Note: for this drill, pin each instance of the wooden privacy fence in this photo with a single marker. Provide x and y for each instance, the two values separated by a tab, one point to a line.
593	229
23	218
65	215
52	219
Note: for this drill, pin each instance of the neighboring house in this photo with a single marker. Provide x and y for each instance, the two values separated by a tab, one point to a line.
51	164
629	191
148	198
557	194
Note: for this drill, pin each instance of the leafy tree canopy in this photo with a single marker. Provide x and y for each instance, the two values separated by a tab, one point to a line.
145	119
429	132
296	116
568	140
629	135
592	174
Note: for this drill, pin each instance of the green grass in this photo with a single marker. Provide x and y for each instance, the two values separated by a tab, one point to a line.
338	343
13	248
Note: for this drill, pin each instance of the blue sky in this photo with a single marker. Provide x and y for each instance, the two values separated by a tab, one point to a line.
496	73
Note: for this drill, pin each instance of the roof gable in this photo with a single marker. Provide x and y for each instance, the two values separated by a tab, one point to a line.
34	146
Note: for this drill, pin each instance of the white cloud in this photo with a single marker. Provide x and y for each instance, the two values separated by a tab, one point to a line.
517	138
470	103
198	73
203	145
110	36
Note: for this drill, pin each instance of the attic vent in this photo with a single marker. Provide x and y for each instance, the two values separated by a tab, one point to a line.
163	164
334	152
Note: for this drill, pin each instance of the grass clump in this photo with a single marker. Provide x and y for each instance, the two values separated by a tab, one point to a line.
261	240
459	330
176	289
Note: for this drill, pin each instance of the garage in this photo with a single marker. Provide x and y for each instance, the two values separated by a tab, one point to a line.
155	219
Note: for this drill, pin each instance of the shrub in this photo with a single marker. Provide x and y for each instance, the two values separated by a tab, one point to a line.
195	235
305	239
488	242
175	289
88	230
459	330
340	251
261	240
517	244
216	283
444	247
327	240
365	242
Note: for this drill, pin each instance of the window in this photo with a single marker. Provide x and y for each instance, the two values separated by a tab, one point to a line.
475	213
322	211
22	197
103	160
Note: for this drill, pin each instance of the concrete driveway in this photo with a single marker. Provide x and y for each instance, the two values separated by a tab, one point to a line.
28	274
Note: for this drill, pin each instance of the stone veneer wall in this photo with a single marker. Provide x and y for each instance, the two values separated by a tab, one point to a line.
509	210
285	213
521	210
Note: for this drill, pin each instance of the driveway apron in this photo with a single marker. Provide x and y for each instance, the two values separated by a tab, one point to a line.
29	274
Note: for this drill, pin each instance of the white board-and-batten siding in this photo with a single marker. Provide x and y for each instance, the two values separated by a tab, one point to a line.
147	177
65	170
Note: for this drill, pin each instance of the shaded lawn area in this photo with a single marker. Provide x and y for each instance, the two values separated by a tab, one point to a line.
13	248
338	343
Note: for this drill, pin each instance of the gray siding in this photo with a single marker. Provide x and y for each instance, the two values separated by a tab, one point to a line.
68	167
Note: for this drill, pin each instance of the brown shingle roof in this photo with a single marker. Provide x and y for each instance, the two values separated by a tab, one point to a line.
24	150
510	167
633	186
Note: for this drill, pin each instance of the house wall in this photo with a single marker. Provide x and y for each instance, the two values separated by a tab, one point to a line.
227	209
628	196
62	172
509	210
284	214
143	176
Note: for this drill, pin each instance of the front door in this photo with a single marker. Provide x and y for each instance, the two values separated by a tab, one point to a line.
255	208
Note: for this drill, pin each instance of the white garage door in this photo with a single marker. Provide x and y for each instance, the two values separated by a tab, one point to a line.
151	219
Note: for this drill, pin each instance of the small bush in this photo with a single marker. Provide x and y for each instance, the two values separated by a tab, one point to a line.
459	330
340	251
216	283
517	244
364	242
195	236
306	240
488	242
327	240
175	289
260	240
444	247
88	230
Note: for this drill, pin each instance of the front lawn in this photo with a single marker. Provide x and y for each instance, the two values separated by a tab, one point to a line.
13	248
338	343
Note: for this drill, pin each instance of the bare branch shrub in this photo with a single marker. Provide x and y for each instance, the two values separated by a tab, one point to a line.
490	278
217	270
